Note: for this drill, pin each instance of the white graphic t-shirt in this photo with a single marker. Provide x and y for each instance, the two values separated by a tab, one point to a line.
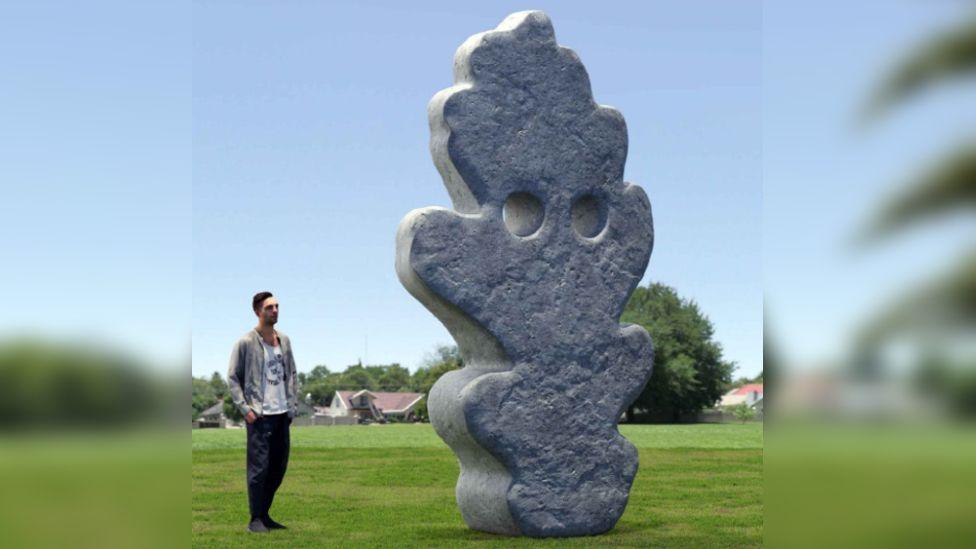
275	399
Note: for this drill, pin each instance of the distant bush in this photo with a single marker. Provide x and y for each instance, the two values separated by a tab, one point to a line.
53	384
742	412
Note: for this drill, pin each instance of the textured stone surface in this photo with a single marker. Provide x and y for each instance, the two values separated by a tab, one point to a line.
530	272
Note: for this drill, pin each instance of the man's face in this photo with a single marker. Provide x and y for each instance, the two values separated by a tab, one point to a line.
269	311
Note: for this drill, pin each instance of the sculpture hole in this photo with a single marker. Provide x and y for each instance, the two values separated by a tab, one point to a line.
522	213
589	216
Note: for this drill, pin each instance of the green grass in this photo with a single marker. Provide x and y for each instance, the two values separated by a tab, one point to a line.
393	486
91	489
881	484
420	435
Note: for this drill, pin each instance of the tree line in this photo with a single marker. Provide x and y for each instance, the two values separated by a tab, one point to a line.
689	374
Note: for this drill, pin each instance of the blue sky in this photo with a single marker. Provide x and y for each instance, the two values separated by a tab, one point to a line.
168	160
311	143
95	163
824	176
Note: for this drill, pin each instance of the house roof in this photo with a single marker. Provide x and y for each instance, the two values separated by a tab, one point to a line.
386	402
214	410
749	388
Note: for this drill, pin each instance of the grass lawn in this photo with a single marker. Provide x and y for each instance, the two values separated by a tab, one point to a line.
393	486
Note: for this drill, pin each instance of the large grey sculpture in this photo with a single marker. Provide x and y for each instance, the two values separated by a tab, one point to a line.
530	272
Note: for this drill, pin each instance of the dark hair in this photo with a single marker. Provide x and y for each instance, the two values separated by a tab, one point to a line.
259	299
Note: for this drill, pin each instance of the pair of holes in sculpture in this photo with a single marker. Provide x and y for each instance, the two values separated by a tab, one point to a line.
523	214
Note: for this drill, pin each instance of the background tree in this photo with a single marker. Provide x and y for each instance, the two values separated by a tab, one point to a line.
203	396
394	378
689	371
320	390
319	372
442	360
357	377
219	386
318	386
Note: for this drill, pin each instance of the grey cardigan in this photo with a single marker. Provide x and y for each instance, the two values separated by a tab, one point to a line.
245	377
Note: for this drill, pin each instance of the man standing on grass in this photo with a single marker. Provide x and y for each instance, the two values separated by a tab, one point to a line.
261	379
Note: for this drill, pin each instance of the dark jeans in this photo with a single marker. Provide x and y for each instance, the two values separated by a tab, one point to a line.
268	442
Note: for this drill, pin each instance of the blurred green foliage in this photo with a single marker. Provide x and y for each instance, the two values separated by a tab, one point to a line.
944	307
945	187
950	381
53	384
742	412
88	457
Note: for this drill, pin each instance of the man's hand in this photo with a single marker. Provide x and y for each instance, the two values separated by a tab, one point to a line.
251	417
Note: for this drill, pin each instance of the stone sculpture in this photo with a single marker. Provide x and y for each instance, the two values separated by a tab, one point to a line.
530	272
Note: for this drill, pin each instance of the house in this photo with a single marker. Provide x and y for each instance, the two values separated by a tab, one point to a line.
750	393
372	404
213	417
304	409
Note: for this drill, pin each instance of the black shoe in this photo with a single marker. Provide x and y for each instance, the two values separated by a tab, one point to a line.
258	527
271	524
